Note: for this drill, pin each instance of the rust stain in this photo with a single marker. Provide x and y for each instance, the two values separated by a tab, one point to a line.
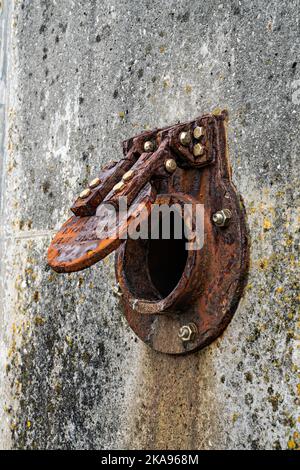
172	396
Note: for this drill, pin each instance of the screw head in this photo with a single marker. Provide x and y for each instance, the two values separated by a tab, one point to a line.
222	217
198	132
187	332
185	138
85	193
170	165
148	146
119	186
95	182
198	150
128	175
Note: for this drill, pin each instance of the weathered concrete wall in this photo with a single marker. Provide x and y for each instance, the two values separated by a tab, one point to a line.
77	77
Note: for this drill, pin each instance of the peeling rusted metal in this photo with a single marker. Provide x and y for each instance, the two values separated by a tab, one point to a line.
211	279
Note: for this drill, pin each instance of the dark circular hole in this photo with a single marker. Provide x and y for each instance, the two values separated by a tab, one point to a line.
167	258
154	267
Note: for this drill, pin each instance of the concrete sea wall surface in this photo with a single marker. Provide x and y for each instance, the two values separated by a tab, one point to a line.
77	78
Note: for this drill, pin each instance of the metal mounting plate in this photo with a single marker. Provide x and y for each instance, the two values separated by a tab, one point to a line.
222	264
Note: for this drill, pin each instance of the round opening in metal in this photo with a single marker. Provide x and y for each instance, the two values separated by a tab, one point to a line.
154	267
167	257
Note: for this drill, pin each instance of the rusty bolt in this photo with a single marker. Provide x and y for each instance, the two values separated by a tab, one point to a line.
222	217
148	146
170	165
185	138
198	150
188	332
198	132
95	182
85	193
128	175
119	186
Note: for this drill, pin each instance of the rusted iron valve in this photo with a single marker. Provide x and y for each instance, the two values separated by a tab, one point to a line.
177	295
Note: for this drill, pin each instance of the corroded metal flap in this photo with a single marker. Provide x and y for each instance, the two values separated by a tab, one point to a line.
99	225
